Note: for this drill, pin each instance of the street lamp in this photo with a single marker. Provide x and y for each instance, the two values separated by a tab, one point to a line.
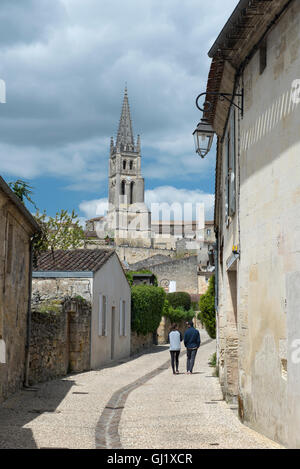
204	133
203	136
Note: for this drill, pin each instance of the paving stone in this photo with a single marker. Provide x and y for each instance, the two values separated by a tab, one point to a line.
137	404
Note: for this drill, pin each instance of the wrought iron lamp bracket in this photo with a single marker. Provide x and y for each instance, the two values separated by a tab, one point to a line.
222	96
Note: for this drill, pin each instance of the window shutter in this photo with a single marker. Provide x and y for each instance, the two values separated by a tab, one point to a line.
124	319
100	315
121	317
104	315
231	172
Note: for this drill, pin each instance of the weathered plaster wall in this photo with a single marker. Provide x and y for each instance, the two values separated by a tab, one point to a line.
269	209
15	235
111	281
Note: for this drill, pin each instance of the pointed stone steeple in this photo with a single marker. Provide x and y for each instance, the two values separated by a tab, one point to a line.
125	139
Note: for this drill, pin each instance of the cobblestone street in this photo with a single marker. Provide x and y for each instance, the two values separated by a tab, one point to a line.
135	404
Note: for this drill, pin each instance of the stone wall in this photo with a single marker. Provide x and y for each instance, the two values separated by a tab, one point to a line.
44	289
182	271
140	342
15	234
60	339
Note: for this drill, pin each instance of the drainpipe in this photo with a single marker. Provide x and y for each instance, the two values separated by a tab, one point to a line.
28	336
216	254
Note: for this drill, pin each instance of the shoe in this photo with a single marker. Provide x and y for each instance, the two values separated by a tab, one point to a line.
177	372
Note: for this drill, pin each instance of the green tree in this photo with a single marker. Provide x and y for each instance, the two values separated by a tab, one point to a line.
60	232
179	299
22	190
207	314
147	303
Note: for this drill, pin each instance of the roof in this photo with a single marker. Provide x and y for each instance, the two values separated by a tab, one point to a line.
73	260
142	275
248	22
125	134
236	44
21	207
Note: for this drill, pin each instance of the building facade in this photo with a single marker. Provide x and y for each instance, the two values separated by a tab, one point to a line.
98	277
17	227
256	58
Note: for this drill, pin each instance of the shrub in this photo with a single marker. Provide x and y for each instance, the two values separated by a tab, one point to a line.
207	313
213	360
147	304
179	314
179	299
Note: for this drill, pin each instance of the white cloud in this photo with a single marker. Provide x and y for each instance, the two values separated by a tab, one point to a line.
94	208
159	195
171	195
65	73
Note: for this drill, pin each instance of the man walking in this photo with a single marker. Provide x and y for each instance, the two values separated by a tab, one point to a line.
192	343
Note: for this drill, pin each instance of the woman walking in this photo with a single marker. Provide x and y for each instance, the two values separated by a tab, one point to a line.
175	338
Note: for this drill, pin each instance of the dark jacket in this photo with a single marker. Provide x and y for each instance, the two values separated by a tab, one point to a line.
192	338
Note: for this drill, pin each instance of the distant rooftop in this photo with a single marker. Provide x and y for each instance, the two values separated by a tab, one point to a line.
75	260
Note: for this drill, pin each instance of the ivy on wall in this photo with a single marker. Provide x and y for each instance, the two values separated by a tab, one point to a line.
147	303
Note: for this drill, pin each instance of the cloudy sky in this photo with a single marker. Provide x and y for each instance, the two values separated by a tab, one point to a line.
65	64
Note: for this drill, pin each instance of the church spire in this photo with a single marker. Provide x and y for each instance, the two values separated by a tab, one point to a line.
125	135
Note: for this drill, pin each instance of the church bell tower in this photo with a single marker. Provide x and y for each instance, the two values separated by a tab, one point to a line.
128	215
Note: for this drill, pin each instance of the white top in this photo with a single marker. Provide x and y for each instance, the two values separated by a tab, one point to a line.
174	339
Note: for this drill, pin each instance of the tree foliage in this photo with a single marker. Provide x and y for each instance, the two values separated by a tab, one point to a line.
178	314
207	314
60	232
147	303
22	190
179	299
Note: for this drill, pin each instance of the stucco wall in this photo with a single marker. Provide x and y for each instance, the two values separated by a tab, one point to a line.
266	379
110	281
14	273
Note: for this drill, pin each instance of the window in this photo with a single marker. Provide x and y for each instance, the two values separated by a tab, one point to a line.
230	170
208	232
131	164
123	188
262	57
124	164
122	318
131	192
102	326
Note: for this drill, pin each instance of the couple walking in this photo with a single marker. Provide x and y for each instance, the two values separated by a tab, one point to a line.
192	343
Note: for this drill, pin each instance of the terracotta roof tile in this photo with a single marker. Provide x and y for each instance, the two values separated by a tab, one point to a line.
76	260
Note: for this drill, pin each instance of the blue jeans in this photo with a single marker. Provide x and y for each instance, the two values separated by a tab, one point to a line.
191	355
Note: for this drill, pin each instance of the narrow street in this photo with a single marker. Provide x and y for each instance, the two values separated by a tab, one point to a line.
134	404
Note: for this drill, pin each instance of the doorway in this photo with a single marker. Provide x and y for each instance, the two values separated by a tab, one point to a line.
113	319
